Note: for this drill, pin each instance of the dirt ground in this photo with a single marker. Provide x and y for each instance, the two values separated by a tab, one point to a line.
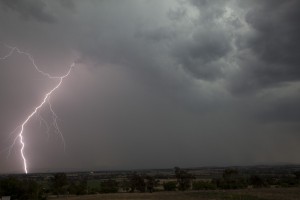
245	194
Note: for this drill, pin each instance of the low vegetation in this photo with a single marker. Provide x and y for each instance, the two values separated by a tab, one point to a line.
231	180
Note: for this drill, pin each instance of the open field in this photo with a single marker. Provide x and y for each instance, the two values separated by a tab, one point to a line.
244	194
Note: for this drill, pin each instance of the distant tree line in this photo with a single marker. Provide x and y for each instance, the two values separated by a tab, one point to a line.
59	184
233	179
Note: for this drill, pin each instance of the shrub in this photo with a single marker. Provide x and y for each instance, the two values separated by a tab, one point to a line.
204	185
110	186
170	186
258	181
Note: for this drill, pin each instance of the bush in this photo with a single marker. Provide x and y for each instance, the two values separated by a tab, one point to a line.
231	180
21	189
125	185
288	182
151	182
204	185
109	186
238	183
258	181
78	187
170	186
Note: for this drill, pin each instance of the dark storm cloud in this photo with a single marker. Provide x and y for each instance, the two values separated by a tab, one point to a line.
271	55
212	9
195	82
267	57
209	43
28	9
200	56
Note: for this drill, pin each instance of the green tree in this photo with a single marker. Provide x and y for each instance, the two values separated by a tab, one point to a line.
231	180
78	187
230	174
137	182
11	187
21	189
125	185
184	179
151	182
32	190
59	183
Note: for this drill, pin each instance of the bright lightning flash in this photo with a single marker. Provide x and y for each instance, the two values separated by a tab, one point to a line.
36	109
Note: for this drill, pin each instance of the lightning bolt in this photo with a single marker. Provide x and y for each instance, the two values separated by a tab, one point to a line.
20	135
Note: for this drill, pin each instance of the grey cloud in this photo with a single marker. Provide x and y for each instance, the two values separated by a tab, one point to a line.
156	35
177	14
30	9
211	9
154	78
68	4
201	55
271	56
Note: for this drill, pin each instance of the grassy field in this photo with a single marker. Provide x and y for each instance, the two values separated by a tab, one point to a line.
245	194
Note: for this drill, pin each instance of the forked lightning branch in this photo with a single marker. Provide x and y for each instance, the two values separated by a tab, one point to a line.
20	129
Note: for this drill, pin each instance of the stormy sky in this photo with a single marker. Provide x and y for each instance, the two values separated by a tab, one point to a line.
157	84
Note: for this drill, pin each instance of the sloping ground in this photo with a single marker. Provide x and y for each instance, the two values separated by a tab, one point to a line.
246	194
